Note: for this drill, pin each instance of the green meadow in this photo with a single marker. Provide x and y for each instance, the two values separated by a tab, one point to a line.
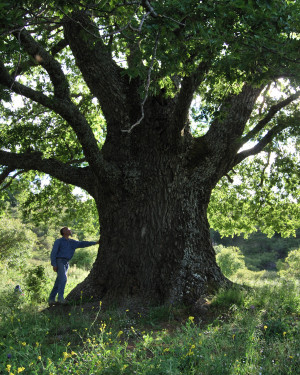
252	328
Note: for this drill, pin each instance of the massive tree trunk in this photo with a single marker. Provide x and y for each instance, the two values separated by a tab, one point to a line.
155	243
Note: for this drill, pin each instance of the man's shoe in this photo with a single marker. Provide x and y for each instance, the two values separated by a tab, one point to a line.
51	302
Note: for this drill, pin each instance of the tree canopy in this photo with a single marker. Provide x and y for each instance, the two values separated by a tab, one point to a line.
61	100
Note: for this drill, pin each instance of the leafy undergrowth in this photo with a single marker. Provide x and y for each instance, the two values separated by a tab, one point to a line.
238	331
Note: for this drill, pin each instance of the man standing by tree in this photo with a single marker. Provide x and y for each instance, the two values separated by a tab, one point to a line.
62	251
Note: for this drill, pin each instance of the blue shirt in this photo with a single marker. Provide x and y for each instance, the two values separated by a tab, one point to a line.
65	248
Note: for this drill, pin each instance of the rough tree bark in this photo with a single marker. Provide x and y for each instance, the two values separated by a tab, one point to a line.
155	242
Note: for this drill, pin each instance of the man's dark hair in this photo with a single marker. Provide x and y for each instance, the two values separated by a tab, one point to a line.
62	231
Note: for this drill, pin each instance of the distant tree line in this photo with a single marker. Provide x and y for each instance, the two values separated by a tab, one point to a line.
260	251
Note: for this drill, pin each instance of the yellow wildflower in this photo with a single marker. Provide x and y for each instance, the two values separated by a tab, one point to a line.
65	355
23	343
265	327
102	328
120	333
8	367
39	357
21	369
191	319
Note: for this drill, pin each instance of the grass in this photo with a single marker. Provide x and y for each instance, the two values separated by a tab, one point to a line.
241	331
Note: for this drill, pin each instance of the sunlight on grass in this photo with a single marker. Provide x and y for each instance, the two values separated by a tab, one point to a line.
244	331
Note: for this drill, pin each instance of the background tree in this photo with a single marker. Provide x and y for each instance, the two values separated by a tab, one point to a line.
17	242
290	267
107	89
230	260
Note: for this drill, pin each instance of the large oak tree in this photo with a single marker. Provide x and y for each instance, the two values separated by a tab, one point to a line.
108	92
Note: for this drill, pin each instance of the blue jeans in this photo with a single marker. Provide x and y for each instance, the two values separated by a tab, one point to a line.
61	279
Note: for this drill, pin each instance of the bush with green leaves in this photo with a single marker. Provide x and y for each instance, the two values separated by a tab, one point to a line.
11	299
84	258
35	280
16	241
290	267
230	259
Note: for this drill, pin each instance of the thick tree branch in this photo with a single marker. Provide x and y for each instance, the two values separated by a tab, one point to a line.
81	177
183	100
102	75
271	113
267	139
146	4
26	65
232	118
5	174
47	61
57	48
67	110
11	180
8	81
221	142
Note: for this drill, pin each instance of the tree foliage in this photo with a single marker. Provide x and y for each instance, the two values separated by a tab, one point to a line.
55	113
230	260
17	241
290	267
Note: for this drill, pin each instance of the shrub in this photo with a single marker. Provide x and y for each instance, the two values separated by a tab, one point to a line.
16	241
230	260
84	258
35	279
10	300
291	266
